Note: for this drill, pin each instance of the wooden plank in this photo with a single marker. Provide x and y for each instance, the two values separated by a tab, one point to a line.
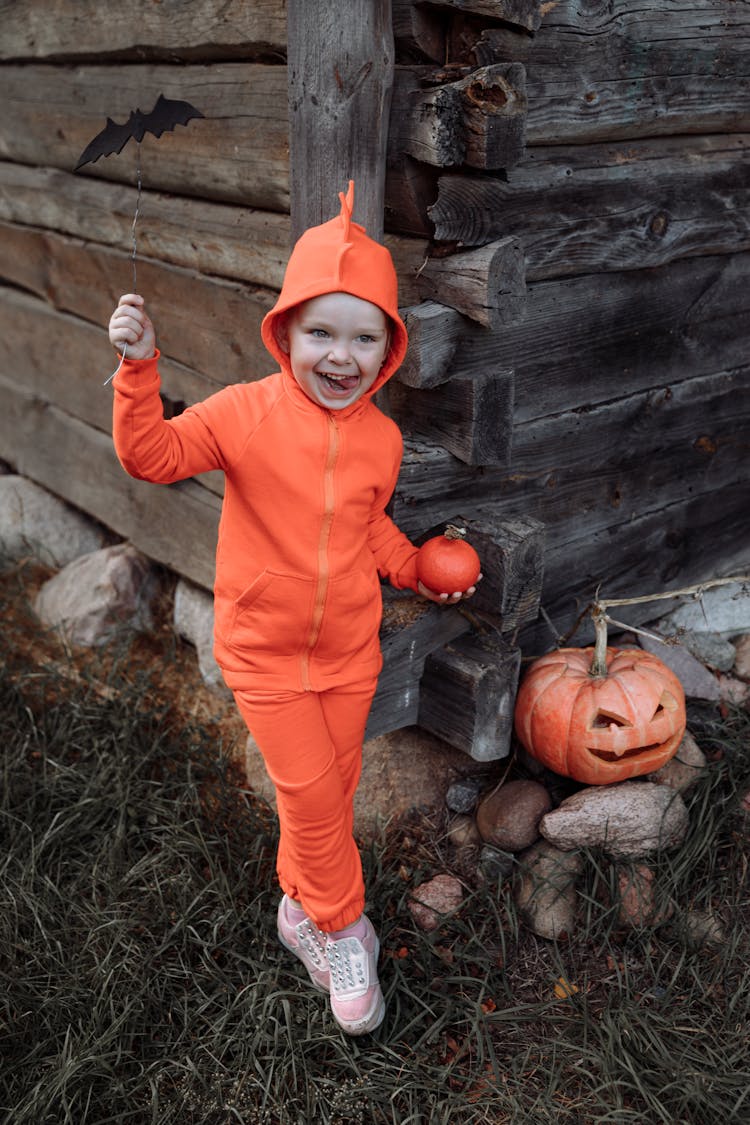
205	324
467	695
239	153
583	342
478	120
174	524
469	417
87	27
617	69
594	208
592	469
211	238
411	629
487	285
339	104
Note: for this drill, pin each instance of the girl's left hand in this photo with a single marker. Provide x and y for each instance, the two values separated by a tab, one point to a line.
447	599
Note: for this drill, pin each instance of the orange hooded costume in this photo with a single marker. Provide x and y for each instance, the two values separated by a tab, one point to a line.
302	538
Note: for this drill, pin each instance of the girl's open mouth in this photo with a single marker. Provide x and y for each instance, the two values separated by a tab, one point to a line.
339	384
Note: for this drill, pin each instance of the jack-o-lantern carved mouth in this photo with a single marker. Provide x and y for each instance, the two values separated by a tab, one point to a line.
625	736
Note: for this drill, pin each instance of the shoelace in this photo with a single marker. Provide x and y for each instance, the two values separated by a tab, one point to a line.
347	961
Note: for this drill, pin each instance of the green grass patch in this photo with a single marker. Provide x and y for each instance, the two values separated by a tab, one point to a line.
141	980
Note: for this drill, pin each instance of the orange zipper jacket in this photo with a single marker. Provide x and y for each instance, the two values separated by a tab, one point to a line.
303	533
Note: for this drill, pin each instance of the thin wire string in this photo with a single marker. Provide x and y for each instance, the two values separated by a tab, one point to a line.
133	254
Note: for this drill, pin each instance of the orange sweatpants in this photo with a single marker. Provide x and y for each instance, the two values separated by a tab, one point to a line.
311	743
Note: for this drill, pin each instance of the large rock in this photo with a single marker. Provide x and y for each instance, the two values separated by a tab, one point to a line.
697	682
100	595
35	523
722	609
194	620
631	819
684	769
432	902
508	818
545	890
742	657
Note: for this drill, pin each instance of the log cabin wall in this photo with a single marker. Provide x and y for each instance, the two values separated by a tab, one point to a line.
566	202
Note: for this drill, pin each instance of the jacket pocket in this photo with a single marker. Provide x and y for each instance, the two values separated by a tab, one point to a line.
272	615
352	616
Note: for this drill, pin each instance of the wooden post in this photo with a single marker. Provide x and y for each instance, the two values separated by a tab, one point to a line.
340	76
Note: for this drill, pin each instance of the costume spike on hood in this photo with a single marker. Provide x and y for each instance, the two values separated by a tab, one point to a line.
339	257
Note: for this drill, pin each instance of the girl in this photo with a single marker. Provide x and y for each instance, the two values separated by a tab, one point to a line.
310	464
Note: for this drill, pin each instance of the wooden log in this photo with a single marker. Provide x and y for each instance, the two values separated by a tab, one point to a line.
467	695
488	284
174	524
411	629
605	71
434	331
511	551
595	208
209	325
642	329
478	120
237	154
338	108
211	238
472	418
523	13
410	187
87	27
417	34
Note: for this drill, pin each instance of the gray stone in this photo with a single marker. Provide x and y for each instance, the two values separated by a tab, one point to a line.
697	682
432	902
34	523
100	595
194	621
545	890
681	771
508	818
722	609
462	796
495	864
711	649
633	818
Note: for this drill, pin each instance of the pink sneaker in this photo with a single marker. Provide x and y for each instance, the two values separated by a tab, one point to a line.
301	936
356	998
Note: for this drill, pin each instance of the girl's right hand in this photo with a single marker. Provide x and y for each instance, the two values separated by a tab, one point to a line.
130	324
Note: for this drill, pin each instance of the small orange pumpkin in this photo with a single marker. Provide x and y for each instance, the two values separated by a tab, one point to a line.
447	563
600	716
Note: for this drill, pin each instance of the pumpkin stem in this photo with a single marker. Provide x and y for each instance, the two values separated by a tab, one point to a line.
453	532
598	667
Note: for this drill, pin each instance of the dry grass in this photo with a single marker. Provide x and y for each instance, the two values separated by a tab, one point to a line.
142	981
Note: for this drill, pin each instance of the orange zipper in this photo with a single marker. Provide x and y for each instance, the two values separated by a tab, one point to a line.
321	587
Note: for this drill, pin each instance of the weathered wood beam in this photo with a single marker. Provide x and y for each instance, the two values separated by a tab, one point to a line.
595	208
598	72
592	469
418	32
216	239
196	317
88	27
487	285
467	695
478	120
434	331
411	629
524	13
471	418
339	104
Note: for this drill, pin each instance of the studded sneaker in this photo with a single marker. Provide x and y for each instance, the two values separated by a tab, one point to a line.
301	936
356	998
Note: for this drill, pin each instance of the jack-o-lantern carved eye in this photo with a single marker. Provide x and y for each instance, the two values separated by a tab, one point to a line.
602	720
666	703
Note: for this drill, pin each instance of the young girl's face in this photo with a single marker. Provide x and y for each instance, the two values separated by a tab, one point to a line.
336	345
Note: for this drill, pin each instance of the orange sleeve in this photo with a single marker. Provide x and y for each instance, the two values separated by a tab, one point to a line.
395	554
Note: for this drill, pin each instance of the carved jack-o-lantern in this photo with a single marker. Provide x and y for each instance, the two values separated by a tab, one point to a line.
600	727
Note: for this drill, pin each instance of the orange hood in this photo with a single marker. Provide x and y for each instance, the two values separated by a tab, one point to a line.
339	257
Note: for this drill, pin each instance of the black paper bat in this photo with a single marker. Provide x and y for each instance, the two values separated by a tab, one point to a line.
164	116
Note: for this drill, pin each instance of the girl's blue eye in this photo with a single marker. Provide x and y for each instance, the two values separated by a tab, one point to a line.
319	332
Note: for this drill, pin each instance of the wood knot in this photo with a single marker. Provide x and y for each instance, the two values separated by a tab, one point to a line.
659	225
